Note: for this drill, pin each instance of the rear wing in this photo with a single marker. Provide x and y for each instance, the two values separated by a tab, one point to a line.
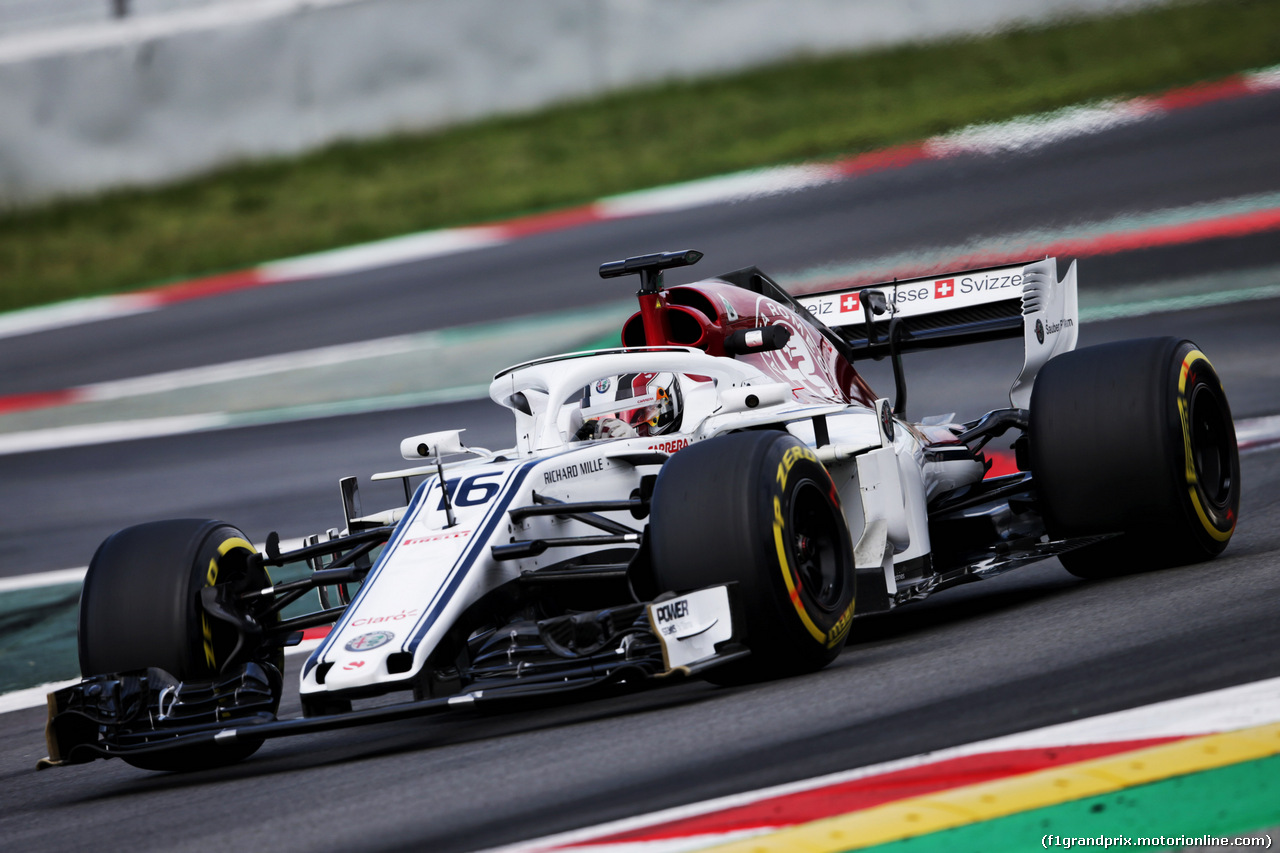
973	306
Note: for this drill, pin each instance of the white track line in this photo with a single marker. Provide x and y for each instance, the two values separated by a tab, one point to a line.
383	253
1023	135
31	697
43	579
37	580
1258	432
88	434
176	380
35	697
74	313
740	186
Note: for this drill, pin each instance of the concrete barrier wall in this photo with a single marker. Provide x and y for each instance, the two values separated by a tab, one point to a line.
158	97
26	16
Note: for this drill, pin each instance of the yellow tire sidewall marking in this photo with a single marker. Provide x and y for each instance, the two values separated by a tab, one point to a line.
828	638
784	563
211	579
1184	415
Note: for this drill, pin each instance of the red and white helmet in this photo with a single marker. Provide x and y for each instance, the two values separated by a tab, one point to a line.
646	404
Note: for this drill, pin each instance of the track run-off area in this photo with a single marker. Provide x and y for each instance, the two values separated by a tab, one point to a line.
988	717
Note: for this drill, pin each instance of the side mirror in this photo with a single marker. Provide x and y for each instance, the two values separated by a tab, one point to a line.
764	339
748	397
433	445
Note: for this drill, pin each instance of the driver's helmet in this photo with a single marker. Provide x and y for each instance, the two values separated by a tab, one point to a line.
631	404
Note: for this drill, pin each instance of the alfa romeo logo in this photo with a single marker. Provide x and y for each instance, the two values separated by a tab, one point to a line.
886	422
369	641
1039	331
602	386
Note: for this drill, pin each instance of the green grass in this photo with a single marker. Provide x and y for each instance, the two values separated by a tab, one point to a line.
801	110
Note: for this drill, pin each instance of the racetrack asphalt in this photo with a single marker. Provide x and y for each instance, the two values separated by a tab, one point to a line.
1030	648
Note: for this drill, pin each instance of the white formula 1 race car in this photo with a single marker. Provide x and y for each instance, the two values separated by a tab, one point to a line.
707	500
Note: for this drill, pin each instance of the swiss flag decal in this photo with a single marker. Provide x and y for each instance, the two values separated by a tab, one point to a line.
944	287
849	302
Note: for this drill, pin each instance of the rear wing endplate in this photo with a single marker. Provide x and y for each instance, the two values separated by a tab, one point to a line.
960	308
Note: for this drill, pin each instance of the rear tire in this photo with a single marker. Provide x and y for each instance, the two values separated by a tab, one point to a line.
140	608
1135	437
759	509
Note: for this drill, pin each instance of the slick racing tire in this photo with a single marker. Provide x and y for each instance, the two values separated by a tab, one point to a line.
1136	438
140	607
759	510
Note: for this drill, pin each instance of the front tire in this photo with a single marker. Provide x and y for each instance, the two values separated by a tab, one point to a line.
140	607
759	509
1135	437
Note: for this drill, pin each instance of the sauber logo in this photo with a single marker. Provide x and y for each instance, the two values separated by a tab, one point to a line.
944	287
1043	329
849	302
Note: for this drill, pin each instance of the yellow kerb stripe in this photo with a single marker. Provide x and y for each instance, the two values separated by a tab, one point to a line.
988	800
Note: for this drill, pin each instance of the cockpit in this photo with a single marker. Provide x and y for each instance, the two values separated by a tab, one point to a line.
630	405
616	394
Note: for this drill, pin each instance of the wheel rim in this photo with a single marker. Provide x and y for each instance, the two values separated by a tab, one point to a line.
815	547
1211	446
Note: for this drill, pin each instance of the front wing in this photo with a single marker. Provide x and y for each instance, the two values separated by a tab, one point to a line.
145	712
